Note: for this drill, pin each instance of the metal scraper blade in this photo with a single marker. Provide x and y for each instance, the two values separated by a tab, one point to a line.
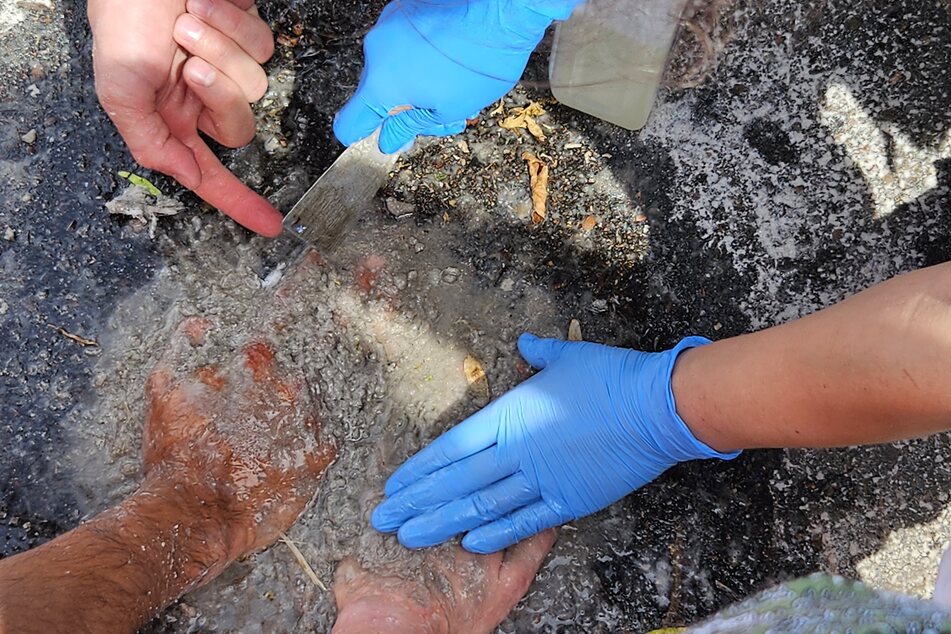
327	212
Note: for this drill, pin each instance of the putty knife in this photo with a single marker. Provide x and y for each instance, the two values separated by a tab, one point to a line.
329	209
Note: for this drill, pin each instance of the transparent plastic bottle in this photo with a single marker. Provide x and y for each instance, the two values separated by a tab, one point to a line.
608	58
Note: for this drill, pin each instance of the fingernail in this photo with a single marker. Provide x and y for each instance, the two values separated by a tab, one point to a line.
201	8
202	73
193	28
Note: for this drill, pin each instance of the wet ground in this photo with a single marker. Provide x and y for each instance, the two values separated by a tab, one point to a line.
814	162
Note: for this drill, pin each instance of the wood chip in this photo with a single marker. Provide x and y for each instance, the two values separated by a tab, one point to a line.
287	41
475	375
574	330
538	179
83	341
589	223
299	556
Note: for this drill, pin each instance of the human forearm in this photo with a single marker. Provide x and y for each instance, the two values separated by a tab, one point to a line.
115	572
873	368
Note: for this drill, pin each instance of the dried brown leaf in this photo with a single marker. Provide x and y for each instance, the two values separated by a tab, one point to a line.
473	369
538	180
534	128
475	375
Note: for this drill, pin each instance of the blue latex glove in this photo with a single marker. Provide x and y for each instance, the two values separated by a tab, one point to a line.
447	59
595	424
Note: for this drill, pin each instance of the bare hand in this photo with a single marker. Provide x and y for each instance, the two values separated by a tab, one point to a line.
460	591
165	71
242	434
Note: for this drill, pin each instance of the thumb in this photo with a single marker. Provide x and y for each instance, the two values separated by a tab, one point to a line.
539	352
356	120
401	129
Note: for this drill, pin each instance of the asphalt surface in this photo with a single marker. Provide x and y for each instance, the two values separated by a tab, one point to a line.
813	163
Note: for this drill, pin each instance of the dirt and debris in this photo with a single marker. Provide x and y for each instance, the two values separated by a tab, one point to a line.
746	201
144	206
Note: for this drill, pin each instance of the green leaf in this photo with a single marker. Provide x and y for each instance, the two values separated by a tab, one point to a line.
135	179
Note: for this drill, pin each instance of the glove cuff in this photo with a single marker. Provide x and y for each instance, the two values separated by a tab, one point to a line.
679	441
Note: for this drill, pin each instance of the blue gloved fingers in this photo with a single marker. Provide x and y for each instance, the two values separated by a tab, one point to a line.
445	129
454	481
520	524
469	437
540	352
356	120
467	513
400	129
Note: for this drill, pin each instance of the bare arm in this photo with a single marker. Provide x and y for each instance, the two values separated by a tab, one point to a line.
212	493
115	572
873	368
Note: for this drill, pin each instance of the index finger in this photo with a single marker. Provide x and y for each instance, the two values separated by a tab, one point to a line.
228	194
469	437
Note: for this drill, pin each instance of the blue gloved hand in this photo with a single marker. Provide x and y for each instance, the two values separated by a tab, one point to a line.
447	59
595	424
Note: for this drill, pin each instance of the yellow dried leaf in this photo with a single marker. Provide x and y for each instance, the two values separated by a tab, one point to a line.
512	122
473	369
475	376
538	181
574	330
499	109
534	128
524	118
533	109
589	223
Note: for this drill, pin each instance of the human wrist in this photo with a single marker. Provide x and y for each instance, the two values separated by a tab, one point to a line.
675	435
196	517
693	404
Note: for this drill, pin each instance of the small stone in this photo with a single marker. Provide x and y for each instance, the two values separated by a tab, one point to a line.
411	276
29	138
574	330
33	90
9	234
27	197
37	72
400	282
450	275
4	307
507	284
599	305
399	208
418	247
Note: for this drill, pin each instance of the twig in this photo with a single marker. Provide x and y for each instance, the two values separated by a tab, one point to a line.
80	340
299	556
